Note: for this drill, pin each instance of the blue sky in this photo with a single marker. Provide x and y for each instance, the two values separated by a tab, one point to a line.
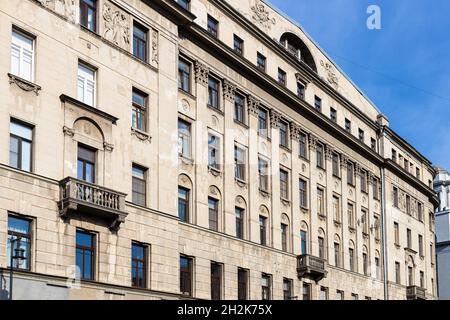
404	68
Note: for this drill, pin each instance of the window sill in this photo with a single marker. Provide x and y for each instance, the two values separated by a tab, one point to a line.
214	171
287	149
190	95
352	229
186	160
24	84
286	202
322	216
264	137
141	135
303	158
304	209
264	193
240	183
337	224
242	124
336	176
397	245
215	110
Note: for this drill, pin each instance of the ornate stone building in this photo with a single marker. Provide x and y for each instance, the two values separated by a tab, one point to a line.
198	149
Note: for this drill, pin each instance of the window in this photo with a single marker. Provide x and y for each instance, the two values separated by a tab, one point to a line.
320	156
263	230
303	242
86	164
365	221
138	115
213	26
284	134
408	205
183	3
140	42
19	237
302	145
138	265
88	14
213	205
239	212
363	176
337	254
422	279
421	245
239	108
306	291
266	287
432	254
287	289
377	226
397	272
420	211
394	155
340	295
22	56
365	264
184	75
377	268
373	144
321	242
20	145
361	135
186	275
396	234
213	93
262	123
213	152
408	239
238	45
418	173
183	204
284	184
284	237
395	196
239	163
263	168
242	284
351	215
216	281
184	139
301	90
323	293
348	125
351	256
355	296
336	209
333	115
335	164
320	202
85	251
318	103
281	77
375	186
410	276
86	84
139	185
303	193
261	62
350	174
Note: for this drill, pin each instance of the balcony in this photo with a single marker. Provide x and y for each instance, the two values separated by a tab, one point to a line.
415	293
80	197
312	267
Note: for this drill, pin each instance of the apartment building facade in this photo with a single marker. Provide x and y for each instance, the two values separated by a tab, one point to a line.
202	149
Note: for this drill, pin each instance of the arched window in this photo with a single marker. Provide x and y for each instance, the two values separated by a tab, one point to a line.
321	244
295	46
263	225
285	233
337	251
184	199
351	256
214	208
240	216
304	242
365	261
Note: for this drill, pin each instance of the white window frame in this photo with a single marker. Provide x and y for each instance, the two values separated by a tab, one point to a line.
85	81
22	51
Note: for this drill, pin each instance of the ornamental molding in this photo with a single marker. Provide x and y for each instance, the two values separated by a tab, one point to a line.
143	136
155	45
313	140
328	152
24	84
344	161
332	78
253	105
275	118
108	146
295	131
68	131
64	8
229	90
201	73
116	26
262	16
300	78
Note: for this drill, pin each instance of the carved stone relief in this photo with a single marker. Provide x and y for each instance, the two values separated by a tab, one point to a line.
201	73
332	78
262	16
65	8
229	90
116	26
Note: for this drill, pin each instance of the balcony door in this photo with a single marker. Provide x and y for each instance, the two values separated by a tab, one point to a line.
86	164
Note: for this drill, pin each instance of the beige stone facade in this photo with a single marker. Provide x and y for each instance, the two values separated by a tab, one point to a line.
50	105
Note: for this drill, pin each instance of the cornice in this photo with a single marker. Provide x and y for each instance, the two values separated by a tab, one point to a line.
66	99
172	11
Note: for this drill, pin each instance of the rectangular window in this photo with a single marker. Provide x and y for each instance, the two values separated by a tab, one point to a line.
88	14
397	272
213	26
183	204
365	221
409	238
394	155
418	173
303	193
337	254
140	35
284	134
214	152
318	103
86	84
365	264
350	174
138	115
186	276
373	144
377	226
375	187
395	196
301	90
20	145
335	164
421	245
303	242
86	164
351	256
284	184
306	294
138	265
284	237
85	254
320	156
263	171
213	93
361	135
239	108
377	268
422	279
410	276
321	243
333	115
287	289
336	209
261	62
263	230
242	284
239	212
282	77
323	293
396	233
183	3
213	206
262	123
348	125
363	180
320	202
19	240
216	281
239	163
22	56
340	295
266	287
184	75
408	205
303	146
351	215
355	296
184	139
139	188
238	45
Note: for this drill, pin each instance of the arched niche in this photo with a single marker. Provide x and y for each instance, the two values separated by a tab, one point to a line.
298	48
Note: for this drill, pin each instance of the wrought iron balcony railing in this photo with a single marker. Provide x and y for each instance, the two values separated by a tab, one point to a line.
312	267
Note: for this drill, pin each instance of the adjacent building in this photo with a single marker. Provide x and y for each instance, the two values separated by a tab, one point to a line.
202	149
